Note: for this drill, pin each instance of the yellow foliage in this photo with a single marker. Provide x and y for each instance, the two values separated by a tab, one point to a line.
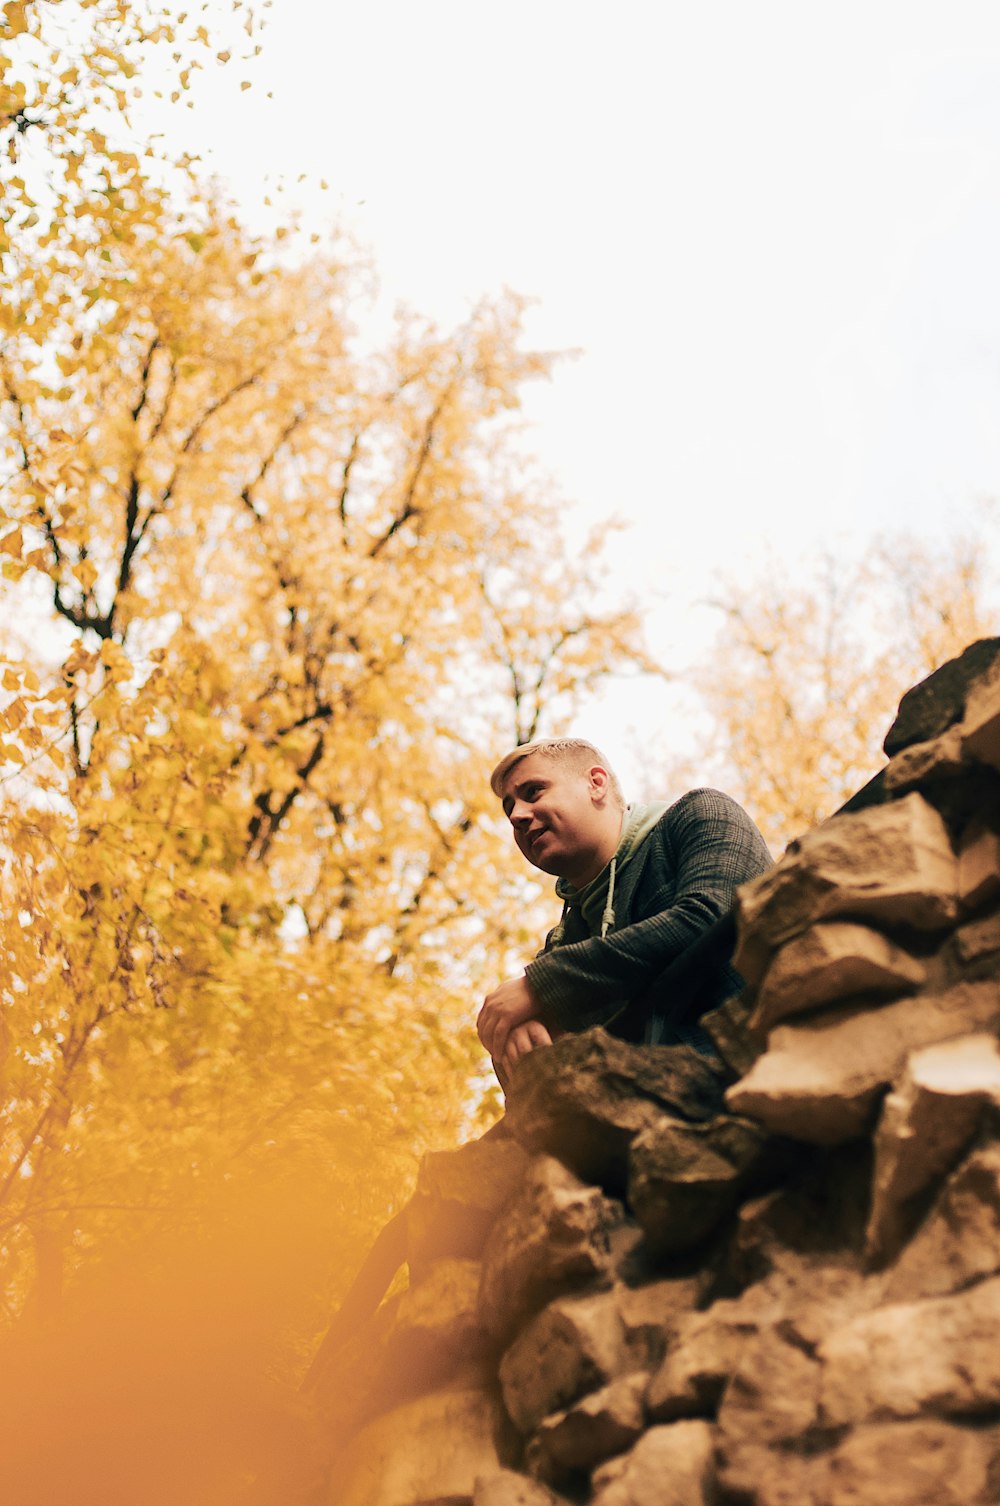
280	601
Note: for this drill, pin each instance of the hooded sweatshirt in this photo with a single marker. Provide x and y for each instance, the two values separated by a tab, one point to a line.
675	872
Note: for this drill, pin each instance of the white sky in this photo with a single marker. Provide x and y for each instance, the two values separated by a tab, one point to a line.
772	228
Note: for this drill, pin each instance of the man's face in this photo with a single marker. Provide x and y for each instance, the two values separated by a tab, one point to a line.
559	815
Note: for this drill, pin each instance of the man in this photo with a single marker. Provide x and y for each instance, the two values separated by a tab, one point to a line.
639	884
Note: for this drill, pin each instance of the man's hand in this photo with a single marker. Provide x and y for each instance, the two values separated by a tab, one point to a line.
508	1006
522	1039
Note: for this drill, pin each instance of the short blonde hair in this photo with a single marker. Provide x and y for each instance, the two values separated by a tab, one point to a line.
573	750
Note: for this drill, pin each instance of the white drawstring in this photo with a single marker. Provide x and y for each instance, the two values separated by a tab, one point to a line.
608	918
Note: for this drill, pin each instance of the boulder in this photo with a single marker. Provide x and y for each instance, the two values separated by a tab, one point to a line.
772	1395
669	1466
592	1430
572	1346
922	764
586	1099
892	864
423	1337
685	1178
978	940
936	1357
820	1079
959	1240
508	1488
981	723
728	1027
705	1352
832	961
926	1123
653	1314
978	866
920	1463
431	1449
458	1196
554	1236
934	705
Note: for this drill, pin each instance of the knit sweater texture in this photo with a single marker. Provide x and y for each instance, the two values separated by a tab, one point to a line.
680	880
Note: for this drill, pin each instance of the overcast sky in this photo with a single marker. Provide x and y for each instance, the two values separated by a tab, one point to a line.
773	229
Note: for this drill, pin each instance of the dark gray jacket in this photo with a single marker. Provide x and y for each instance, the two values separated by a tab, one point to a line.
681	880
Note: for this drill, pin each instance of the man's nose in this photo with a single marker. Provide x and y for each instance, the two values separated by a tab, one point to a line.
520	815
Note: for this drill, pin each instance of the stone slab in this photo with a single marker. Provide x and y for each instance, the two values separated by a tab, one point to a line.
431	1449
570	1347
554	1237
892	864
830	962
925	1124
669	1466
820	1079
939	701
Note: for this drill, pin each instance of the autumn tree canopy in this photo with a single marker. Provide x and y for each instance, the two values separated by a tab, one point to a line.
804	677
273	602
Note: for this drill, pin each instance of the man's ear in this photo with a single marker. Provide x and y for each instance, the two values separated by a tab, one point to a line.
600	783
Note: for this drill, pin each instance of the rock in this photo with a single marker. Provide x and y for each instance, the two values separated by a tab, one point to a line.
458	1196
978	866
432	1449
754	1474
819	1080
773	1392
418	1340
892	864
832	960
978	940
704	1354
728	1027
652	1315
508	1488
669	1466
935	1357
981	723
959	1240
572	1346
934	705
922	764
922	1463
685	1178
586	1099
597	1426
925	1125
554	1236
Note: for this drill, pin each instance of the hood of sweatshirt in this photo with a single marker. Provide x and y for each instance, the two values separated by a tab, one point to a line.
596	899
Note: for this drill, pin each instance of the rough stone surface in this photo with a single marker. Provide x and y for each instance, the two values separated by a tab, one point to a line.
669	1466
978	866
959	1240
572	1346
554	1236
586	1099
832	961
937	1357
934	705
652	1314
509	1488
698	1364
685	1178
729	1029
978	940
597	1426
926	763
819	1080
892	864
925	1125
458	1196
923	1463
431	1449
981	724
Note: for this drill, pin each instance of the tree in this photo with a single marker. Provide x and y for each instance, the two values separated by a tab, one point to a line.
802	682
268	618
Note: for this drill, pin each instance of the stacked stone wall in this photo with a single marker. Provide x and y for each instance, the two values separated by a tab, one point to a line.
626	1297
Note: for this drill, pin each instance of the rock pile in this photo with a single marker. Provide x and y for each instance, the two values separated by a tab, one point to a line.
636	1292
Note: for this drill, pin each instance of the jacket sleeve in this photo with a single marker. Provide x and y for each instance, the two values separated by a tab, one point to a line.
716	847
